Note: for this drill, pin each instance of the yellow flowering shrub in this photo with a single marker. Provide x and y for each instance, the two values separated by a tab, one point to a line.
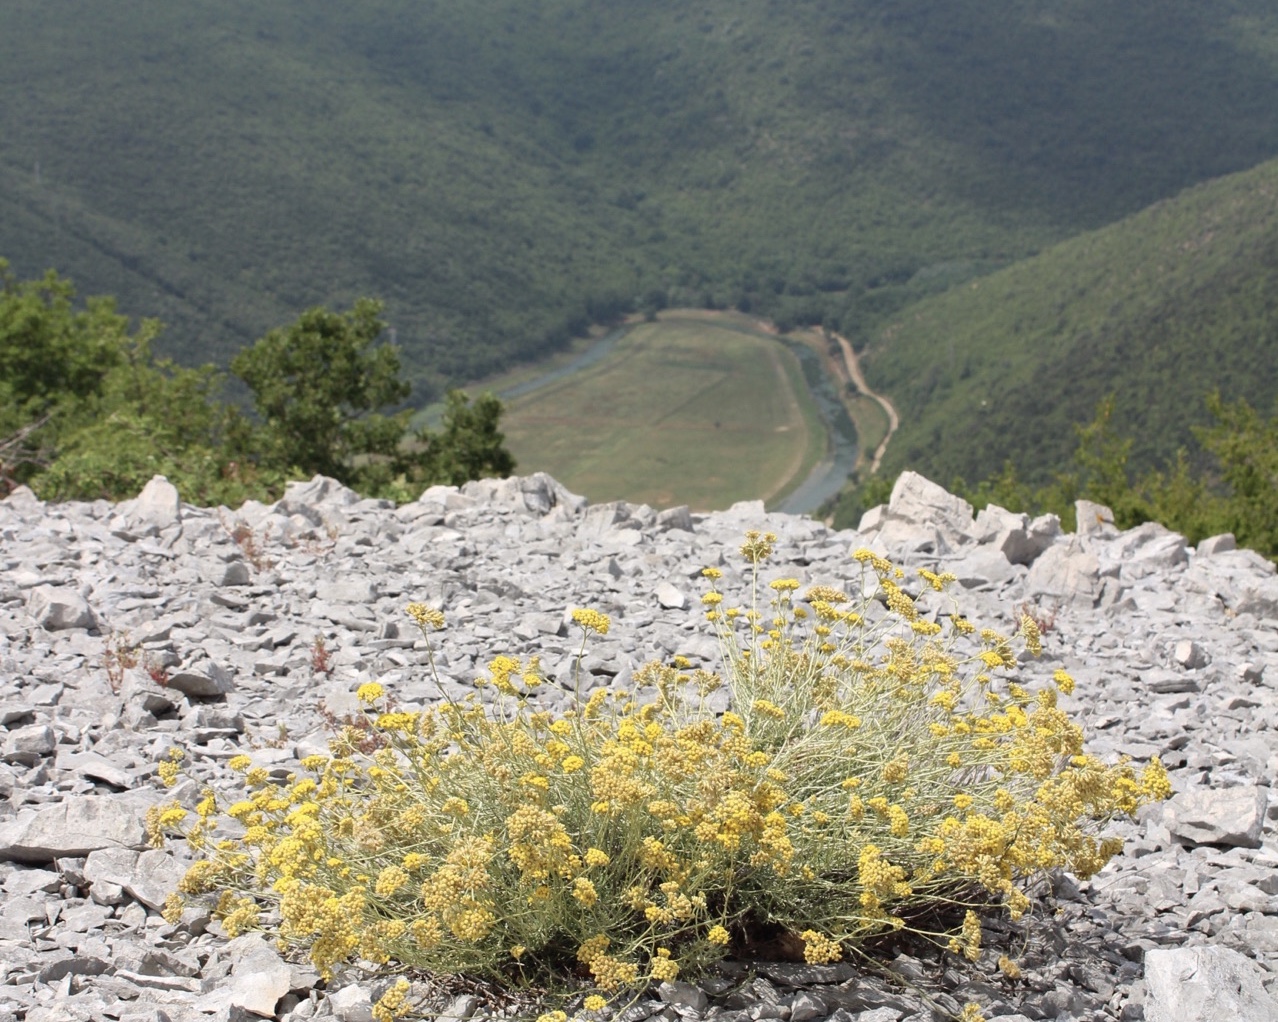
880	756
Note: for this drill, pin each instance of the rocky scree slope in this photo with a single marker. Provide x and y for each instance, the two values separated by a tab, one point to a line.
1175	651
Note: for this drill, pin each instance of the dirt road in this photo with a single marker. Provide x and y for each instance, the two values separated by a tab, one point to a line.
858	378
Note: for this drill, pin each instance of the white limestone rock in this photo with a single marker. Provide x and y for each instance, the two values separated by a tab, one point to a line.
679	518
1067	573
56	608
1148	548
259	976
1095	521
158	504
538	494
75	826
670	597
872	520
920	501
1215	816
220	573
352	1003
203	679
1213	545
1206	984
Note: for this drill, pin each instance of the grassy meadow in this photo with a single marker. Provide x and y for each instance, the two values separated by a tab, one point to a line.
683	411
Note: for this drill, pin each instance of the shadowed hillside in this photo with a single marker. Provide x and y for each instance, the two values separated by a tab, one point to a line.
503	174
1157	310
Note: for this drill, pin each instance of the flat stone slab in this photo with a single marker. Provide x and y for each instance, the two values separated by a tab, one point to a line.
1218	816
1206	984
75	827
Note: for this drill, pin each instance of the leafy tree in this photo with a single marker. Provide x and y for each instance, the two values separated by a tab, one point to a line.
470	445
1246	446
87	411
52	359
319	385
155	418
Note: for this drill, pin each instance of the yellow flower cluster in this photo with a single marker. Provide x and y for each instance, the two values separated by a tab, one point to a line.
592	620
820	949
873	763
426	617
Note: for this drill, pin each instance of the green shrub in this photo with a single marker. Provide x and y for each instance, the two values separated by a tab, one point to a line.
879	761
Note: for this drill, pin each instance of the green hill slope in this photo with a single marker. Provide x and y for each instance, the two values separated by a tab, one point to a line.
1158	310
502	173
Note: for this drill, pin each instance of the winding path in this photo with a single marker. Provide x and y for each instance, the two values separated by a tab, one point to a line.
889	409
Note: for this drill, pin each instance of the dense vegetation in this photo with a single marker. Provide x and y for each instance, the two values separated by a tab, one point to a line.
87	411
505	173
1158	310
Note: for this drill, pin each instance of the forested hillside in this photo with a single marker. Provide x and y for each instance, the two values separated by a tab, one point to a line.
1157	311
504	173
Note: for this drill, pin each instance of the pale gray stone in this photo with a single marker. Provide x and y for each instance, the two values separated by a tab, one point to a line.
1205	984
601	519
873	519
992	521
1149	547
22	882
805	1006
351	1004
919	500
259	976
906	539
795	974
235	572
683	995
1216	545
110	867
320	490
141	692
158	503
459	1009
538	493
1014	535
446	498
1067	573
76	826
982	566
1095	521
1260	599
155	876
23	498
880	1015
56	608
533	625
670	597
1190	655
1216	816
203	679
29	745
348	590
675	518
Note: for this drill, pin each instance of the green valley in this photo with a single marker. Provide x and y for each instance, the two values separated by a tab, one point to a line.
687	410
503	174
